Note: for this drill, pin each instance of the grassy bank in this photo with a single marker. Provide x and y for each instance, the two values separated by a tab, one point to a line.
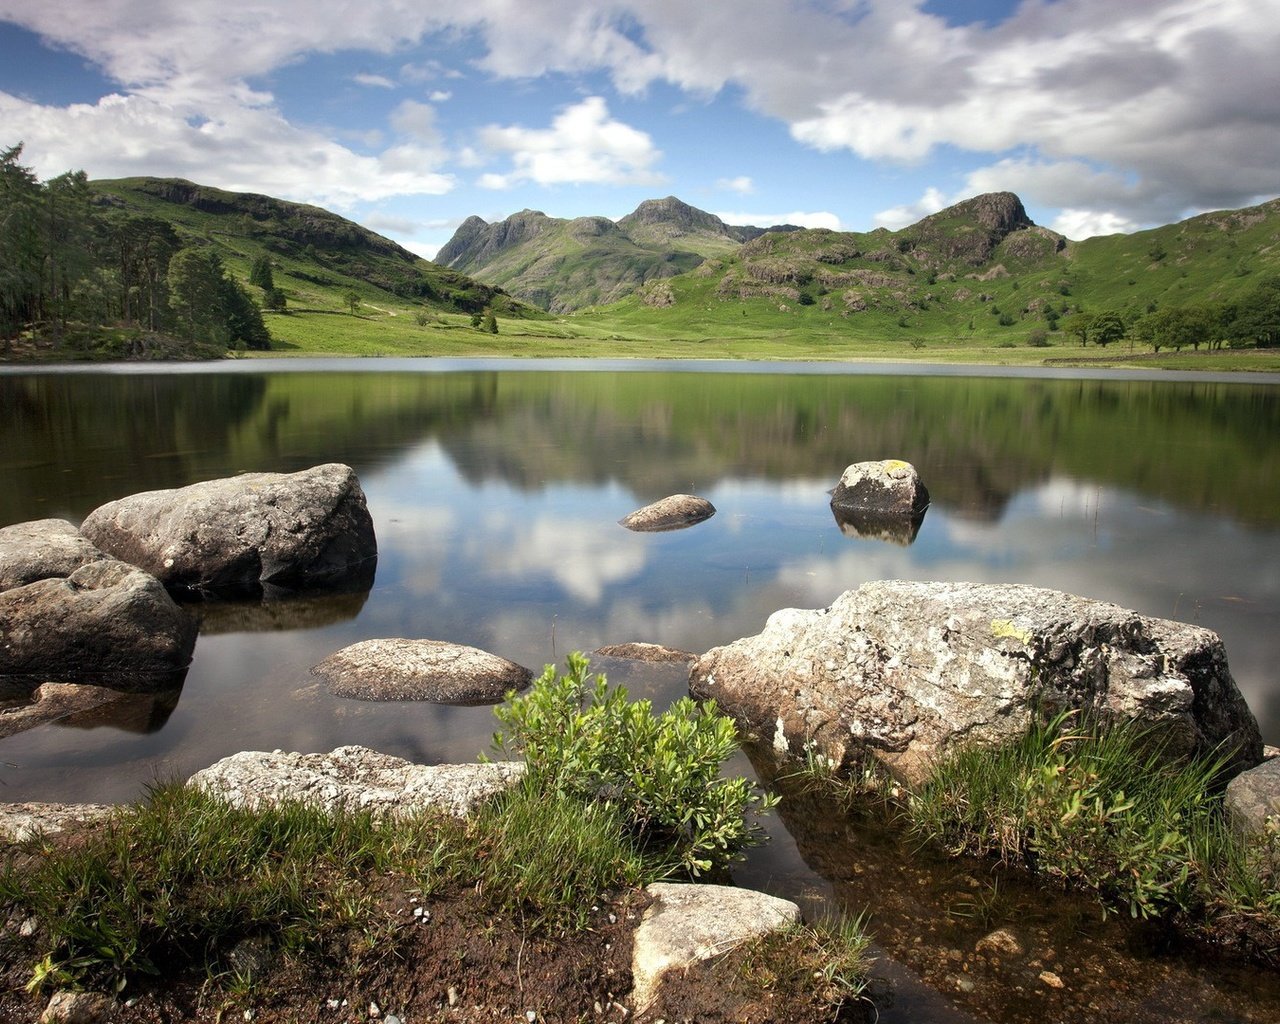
198	907
1107	812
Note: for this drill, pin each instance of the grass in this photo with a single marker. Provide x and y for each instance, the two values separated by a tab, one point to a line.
1105	810
176	882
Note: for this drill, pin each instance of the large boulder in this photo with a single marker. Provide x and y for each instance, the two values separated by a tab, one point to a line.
240	534
431	670
42	549
903	672
891	488
355	779
674	512
105	618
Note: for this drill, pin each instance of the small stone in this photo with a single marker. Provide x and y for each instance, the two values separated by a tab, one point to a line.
333	1004
1002	940
248	1015
531	1016
962	983
76	1008
453	996
418	911
391	1018
28	927
1051	979
375	1010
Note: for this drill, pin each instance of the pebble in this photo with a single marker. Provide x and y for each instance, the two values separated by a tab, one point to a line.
453	996
375	1011
1051	979
333	1004
391	1018
531	1016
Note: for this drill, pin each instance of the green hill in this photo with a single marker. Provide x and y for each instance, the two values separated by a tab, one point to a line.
318	257
562	265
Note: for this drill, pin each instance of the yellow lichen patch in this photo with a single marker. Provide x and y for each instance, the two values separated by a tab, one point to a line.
890	465
1003	627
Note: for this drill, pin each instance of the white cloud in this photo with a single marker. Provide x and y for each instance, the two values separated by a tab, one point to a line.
741	184
900	216
373	81
416	120
440	96
801	218
583	144
1079	224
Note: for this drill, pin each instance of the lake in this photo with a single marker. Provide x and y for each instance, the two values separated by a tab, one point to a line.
495	489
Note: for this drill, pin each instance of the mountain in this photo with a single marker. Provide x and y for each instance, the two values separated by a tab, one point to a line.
562	265
317	255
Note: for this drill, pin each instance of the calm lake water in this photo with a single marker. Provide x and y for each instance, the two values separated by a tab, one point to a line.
496	488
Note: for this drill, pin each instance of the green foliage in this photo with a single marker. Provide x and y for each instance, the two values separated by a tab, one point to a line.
490	324
260	273
584	739
351	299
1103	809
1107	327
1038	337
831	955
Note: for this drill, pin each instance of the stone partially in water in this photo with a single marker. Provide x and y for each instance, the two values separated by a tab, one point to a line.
653	654
1252	799
671	513
430	670
356	779
42	549
904	672
105	617
241	534
888	488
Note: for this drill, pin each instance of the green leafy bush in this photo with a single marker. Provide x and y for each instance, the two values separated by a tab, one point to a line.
582	738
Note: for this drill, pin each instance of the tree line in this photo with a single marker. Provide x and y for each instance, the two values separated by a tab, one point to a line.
1253	319
66	261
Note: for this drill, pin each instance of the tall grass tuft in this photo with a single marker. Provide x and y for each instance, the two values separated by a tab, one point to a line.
1107	810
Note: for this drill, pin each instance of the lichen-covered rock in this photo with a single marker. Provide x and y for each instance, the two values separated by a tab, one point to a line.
240	534
105	617
903	672
19	822
888	488
431	670
354	778
687	924
671	513
1253	798
42	549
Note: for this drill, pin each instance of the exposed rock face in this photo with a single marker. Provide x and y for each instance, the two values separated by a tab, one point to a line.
40	550
670	513
880	490
687	924
104	618
354	778
19	822
429	670
236	535
1253	798
903	672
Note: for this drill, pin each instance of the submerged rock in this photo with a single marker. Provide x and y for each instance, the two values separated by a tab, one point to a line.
354	778
904	672
671	513
430	670
104	617
654	654
889	488
240	534
687	924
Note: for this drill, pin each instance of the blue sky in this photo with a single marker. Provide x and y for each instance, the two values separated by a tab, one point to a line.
409	116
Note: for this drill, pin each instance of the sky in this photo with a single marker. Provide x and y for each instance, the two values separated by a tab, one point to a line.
410	115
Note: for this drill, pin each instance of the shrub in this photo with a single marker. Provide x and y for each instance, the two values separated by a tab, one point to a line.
1038	337
582	738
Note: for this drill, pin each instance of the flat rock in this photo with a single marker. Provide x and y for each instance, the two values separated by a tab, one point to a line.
19	822
671	513
430	670
687	924
891	487
654	654
1252	799
105	617
902	672
241	534
354	778
42	549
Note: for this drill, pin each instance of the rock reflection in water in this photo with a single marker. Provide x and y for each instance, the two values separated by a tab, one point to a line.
280	613
862	525
937	919
84	705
